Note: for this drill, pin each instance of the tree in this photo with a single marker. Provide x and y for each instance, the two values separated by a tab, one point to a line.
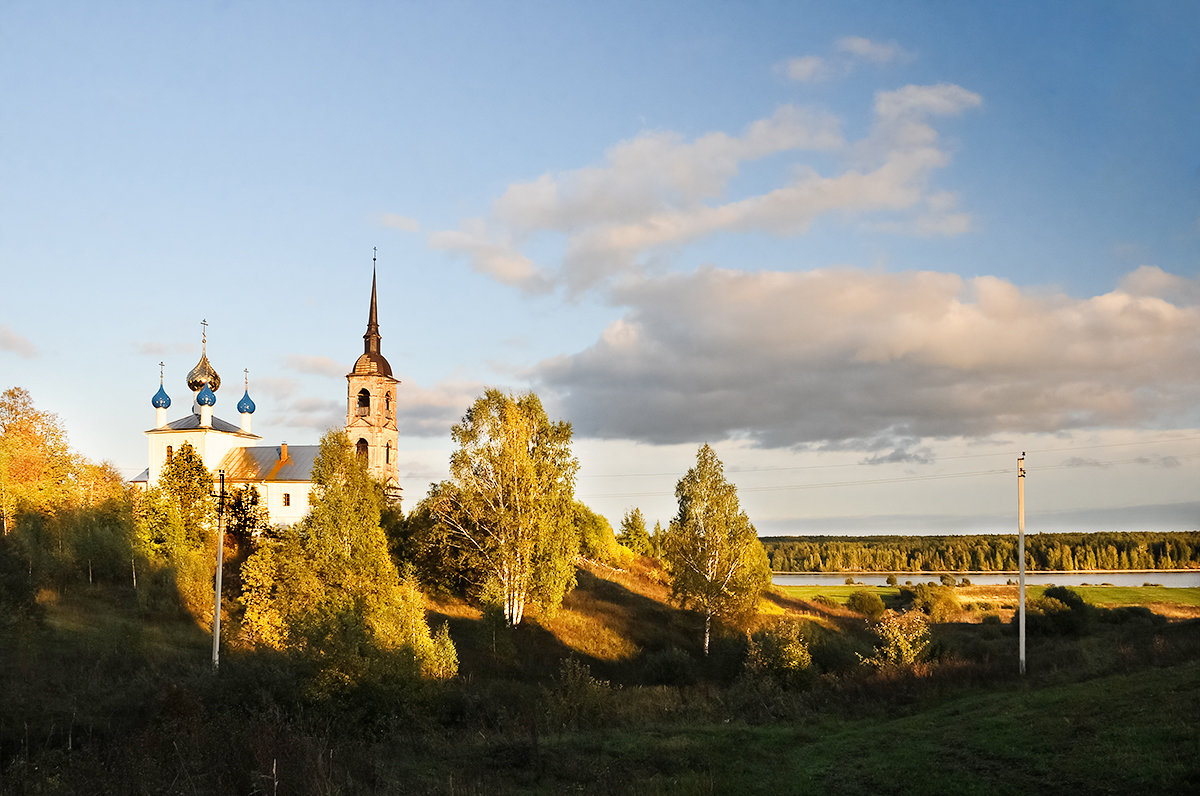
328	588
510	497
633	532
716	562
37	467
596	538
189	484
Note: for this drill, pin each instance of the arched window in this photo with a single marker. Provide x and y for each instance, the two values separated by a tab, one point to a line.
170	453
387	404
387	453
364	403
361	447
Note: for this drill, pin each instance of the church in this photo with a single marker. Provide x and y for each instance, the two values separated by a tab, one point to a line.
282	473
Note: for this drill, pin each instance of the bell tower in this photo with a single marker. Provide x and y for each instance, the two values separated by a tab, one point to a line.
371	406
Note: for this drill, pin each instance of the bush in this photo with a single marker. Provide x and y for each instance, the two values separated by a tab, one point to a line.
1058	611
867	603
826	601
670	666
903	639
849	581
939	603
947	580
780	652
891	580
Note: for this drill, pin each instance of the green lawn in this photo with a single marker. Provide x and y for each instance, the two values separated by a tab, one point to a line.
1097	595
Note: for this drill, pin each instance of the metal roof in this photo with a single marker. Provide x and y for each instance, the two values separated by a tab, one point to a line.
262	463
192	422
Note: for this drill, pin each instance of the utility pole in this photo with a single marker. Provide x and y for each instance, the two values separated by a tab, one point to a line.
1021	553
216	655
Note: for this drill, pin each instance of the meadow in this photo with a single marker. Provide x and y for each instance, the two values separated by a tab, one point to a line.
610	694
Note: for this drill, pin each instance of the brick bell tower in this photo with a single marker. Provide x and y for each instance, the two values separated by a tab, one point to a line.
371	406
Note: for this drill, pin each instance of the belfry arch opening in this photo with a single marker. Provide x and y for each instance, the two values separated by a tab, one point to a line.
364	402
361	447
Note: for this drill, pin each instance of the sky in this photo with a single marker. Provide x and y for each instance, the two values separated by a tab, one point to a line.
869	251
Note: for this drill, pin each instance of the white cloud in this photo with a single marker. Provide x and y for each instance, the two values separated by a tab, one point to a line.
397	221
660	190
16	343
878	52
807	69
790	359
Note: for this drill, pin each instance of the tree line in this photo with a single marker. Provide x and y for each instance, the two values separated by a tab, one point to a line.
984	552
344	588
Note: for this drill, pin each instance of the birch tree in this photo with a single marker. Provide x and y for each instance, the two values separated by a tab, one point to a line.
717	565
510	497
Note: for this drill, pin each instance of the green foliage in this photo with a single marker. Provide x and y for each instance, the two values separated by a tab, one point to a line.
903	639
328	589
633	532
246	517
510	497
670	666
984	552
438	555
656	539
867	603
779	651
596	539
891	580
1058	610
939	603
716	562
188	484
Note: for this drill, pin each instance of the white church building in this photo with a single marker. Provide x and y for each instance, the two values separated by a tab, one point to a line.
282	473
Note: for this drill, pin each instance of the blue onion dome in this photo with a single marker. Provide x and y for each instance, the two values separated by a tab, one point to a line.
206	397
204	374
161	400
245	406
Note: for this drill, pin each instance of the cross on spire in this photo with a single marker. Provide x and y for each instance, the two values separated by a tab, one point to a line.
247	372
204	334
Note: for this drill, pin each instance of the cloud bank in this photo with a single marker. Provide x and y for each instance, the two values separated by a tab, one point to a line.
794	359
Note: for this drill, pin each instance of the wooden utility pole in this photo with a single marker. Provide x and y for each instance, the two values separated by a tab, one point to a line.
1021	554
216	655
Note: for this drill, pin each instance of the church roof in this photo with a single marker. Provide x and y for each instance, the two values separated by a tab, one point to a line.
262	463
192	421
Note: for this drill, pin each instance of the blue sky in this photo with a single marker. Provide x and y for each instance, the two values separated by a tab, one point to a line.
869	251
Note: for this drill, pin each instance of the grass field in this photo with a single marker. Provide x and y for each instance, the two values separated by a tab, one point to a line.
1107	596
104	697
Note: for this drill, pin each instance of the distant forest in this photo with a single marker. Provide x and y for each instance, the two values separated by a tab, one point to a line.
983	553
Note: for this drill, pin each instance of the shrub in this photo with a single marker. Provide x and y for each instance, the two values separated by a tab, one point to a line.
891	580
1066	596
867	603
849	581
903	639
939	603
964	582
826	601
780	652
990	619
947	580
670	666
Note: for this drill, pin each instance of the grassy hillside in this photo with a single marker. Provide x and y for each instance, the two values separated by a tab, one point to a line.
607	695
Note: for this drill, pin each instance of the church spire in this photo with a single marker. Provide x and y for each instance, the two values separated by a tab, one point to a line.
372	337
372	361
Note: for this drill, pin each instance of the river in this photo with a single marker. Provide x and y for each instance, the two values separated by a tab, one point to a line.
1189	579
